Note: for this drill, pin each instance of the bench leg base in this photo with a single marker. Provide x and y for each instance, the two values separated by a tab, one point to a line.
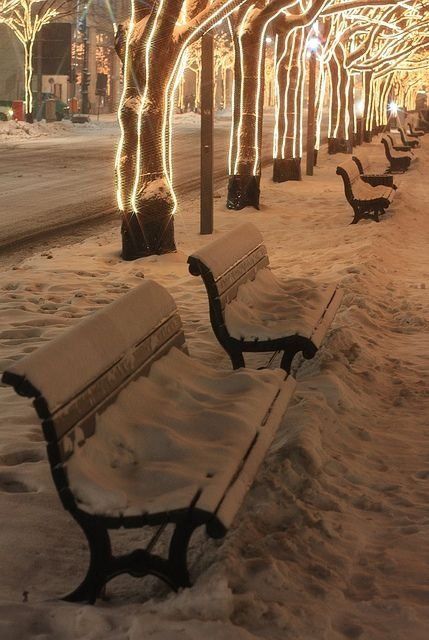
103	566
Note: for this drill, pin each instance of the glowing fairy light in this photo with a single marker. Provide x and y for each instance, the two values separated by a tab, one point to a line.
231	133
120	148
143	104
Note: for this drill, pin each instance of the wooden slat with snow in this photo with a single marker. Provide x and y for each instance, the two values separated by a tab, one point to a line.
252	311
366	199
139	433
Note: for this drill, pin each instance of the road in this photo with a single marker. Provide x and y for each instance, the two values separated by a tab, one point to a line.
53	182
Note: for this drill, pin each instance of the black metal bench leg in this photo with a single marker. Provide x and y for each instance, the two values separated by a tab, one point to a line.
237	359
178	552
100	559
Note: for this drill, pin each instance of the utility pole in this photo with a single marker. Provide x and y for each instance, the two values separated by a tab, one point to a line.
311	113
207	122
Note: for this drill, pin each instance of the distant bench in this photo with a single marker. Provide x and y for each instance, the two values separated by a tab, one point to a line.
139	433
399	161
252	311
367	200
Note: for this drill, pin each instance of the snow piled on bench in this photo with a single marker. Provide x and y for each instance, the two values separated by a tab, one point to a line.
169	435
266	308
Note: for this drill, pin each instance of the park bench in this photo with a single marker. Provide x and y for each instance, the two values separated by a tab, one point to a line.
406	141
395	144
374	179
414	133
140	434
251	310
367	201
399	161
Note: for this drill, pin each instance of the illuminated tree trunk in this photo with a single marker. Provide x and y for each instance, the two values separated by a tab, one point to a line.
145	193
291	77
244	180
28	77
320	103
338	137
367	91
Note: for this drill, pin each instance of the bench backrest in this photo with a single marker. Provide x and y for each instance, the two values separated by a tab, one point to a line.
349	172
362	162
388	147
228	262
82	371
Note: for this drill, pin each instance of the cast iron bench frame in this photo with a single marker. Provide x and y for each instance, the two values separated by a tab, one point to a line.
369	209
222	290
79	411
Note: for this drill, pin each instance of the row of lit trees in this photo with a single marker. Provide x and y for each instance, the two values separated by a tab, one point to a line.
26	18
373	37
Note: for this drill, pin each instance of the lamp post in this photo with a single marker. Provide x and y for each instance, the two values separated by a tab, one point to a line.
312	44
207	120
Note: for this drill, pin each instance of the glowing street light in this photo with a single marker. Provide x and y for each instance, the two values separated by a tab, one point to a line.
393	109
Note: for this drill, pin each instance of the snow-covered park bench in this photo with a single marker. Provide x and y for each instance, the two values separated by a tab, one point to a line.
374	179
411	142
397	145
139	433
367	201
251	310
399	161
414	133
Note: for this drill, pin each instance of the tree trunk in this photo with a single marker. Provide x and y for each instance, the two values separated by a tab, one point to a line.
367	90
28	78
245	152
338	138
145	192
291	76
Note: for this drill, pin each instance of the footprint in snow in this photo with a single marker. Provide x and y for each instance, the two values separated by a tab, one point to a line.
10	484
14	458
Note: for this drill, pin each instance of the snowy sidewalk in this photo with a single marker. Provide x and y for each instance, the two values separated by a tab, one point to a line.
331	540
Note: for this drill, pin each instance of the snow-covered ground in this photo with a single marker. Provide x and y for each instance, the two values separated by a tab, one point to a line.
331	542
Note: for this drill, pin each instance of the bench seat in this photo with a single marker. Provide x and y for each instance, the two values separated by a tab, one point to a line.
267	309
175	437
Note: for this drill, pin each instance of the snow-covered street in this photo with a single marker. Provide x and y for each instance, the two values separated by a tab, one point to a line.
331	539
60	174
